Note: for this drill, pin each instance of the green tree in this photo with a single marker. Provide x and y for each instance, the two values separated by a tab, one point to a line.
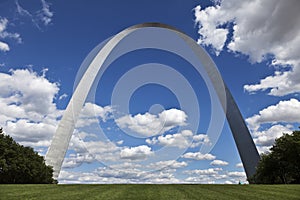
19	164
282	164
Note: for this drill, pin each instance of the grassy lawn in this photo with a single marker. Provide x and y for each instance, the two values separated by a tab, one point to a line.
156	192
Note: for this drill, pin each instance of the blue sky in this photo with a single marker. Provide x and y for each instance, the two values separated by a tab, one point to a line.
254	44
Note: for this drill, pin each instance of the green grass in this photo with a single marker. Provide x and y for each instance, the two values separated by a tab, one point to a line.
173	192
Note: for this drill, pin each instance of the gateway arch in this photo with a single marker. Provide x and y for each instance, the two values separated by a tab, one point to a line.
243	140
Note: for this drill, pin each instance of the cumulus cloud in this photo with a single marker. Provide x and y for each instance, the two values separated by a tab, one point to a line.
280	117
30	115
214	175
133	175
101	150
219	163
86	148
31	133
4	46
128	174
281	83
136	153
266	138
239	165
207	176
148	124
33	92
198	156
28	112
162	169
237	174
92	113
181	140
34	126
209	32
261	30
285	111
75	160
161	172
171	164
157	172
200	139
209	171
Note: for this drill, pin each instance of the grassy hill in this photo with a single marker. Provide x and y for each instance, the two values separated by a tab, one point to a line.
173	192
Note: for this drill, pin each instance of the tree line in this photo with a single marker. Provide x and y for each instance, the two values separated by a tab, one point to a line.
282	164
19	164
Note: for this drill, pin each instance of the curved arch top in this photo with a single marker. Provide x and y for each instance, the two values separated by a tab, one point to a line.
60	142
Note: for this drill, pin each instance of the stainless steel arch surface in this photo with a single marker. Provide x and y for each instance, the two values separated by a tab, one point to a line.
60	142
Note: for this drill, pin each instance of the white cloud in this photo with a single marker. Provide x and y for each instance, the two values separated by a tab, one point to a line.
31	133
170	164
199	140
214	175
126	175
228	182
75	160
219	163
91	151
207	176
266	138
35	127
91	109
103	151
210	171
92	113
158	172
3	24
285	111
136	153
45	14
40	17
237	174
120	142
148	124
4	46
134	175
63	96
198	156
129	172
203	179
7	35
21	11
28	112
262	29
280	117
181	140
239	165
208	20
30	91
281	83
